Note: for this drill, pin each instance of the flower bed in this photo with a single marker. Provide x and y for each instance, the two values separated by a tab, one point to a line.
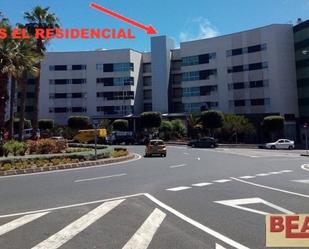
41	162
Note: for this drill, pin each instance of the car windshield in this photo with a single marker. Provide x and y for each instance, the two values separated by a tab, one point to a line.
157	143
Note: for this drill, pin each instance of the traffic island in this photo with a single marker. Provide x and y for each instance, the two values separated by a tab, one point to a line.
75	156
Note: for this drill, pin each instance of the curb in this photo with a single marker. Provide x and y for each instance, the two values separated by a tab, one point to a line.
67	166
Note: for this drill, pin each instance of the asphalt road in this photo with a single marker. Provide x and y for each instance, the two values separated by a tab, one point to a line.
193	198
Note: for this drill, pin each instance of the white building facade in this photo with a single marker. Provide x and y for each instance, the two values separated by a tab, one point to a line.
251	73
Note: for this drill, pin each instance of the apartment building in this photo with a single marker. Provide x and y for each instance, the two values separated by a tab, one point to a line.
251	73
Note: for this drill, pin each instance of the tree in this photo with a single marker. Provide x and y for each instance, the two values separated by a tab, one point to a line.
178	128
40	18
78	122
212	120
151	120
120	125
235	125
46	124
106	124
165	130
273	124
194	126
5	61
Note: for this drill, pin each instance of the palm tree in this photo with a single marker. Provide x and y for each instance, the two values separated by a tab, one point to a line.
27	64
42	18
5	53
194	126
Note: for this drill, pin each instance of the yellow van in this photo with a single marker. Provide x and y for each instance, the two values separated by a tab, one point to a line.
88	136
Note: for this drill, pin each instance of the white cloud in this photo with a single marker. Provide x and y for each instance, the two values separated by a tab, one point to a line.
198	28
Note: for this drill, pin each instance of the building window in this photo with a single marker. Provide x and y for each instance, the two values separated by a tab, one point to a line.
250	67
99	67
255	102
58	68
77	95
147	94
191	76
147	107
240	102
146	67
190	60
258	83
175	79
60	110
78	109
177	92
123	67
79	81
61	82
60	96
206	90
79	67
123	81
250	49
191	91
147	81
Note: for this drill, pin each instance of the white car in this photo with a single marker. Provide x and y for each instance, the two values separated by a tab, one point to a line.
281	144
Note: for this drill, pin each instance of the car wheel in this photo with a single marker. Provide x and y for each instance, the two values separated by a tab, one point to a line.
212	146
273	147
290	147
193	145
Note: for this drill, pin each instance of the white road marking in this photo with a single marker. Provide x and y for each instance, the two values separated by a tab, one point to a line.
271	188
262	174
274	173
246	177
186	153
178	166
222	180
198	158
178	188
97	178
236	203
71	230
286	171
219	246
197	224
305	167
301	181
202	184
70	206
19	222
143	236
137	157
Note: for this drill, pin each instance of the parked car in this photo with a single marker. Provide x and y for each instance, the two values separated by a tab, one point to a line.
155	147
119	137
27	134
281	144
205	142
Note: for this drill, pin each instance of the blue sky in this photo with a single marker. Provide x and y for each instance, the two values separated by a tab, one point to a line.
180	19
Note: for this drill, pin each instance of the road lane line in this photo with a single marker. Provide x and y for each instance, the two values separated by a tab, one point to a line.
137	157
274	173
177	188
98	178
301	181
262	174
19	222
305	167
202	184
222	180
178	166
197	224
71	230
70	206
271	188
186	153
246	177
219	246
143	236
286	171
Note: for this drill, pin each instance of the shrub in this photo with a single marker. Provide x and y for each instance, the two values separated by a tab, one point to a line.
118	152
120	125
46	124
15	148
78	122
178	128
165	130
212	119
45	146
151	120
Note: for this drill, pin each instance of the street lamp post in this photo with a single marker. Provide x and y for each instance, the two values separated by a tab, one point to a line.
95	125
306	136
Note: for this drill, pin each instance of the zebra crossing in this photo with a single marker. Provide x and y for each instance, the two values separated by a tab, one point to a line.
140	222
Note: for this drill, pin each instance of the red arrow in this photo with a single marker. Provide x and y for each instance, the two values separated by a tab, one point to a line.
149	29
